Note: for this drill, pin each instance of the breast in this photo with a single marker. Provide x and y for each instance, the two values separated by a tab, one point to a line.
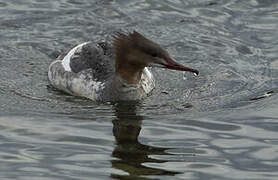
147	81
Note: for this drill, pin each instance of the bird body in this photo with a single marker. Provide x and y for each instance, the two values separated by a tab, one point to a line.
106	72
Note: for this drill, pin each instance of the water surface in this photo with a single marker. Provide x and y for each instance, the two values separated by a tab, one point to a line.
219	125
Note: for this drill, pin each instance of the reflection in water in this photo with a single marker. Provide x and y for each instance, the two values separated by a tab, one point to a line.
130	153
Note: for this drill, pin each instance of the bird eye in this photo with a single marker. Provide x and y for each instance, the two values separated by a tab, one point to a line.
154	54
151	51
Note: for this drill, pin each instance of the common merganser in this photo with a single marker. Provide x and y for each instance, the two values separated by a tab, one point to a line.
102	72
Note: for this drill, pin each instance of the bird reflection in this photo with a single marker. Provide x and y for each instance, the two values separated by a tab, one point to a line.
130	153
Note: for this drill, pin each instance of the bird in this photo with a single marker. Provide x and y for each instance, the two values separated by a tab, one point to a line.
111	71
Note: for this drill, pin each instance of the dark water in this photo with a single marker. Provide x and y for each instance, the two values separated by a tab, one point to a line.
220	125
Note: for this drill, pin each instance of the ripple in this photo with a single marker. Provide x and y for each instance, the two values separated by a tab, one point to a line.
221	123
2	4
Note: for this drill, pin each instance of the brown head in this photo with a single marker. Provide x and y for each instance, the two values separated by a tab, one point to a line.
134	52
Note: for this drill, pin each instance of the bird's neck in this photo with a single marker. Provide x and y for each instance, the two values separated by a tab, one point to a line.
130	72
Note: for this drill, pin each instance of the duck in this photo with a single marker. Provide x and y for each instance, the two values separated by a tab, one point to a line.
117	71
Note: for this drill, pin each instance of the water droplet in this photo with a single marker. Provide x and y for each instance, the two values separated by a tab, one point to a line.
195	74
184	76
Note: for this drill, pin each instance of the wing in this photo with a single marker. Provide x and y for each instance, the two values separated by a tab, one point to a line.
95	56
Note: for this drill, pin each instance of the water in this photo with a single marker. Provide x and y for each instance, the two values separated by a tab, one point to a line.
221	124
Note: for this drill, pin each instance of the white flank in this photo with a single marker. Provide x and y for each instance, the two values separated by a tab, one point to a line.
90	89
66	60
